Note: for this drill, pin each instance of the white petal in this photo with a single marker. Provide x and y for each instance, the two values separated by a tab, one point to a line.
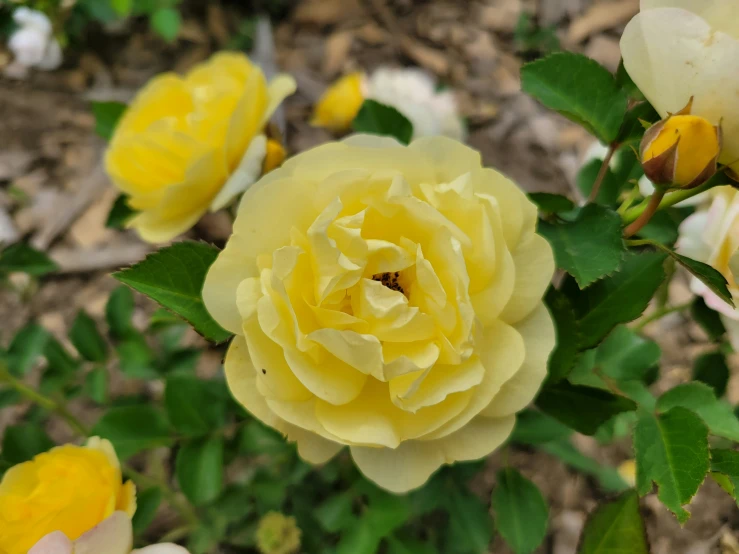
720	14
245	175
163	548
53	543
113	536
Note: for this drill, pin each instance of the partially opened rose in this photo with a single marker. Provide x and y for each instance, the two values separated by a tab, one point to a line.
189	144
711	235
388	298
678	49
114	535
69	489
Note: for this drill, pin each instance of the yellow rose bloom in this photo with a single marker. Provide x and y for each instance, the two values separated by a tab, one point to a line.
189	144
388	298
69	489
340	104
675	50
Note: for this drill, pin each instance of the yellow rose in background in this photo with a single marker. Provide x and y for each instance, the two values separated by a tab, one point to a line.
189	144
69	489
678	49
388	298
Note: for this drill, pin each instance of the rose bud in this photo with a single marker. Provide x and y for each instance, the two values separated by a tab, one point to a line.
681	151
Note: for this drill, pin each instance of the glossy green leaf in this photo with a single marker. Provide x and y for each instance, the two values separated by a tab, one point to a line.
134	428
119	214
625	82
535	427
96	385
136	358
615	527
147	503
610	186
726	462
564	356
199	469
701	399
59	359
708	319
194	406
584	409
26	348
588	248
520	510
471	527
378	119
672	451
607	476
335	513
557	82
166	23
632	130
87	339
551	203
24	258
174	276
711	368
119	312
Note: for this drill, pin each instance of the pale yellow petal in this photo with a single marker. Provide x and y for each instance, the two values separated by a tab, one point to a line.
539	339
720	14
246	174
449	158
162	548
279	88
327	377
113	536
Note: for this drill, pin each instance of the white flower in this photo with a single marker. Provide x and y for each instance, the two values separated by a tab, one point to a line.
33	43
712	236
413	93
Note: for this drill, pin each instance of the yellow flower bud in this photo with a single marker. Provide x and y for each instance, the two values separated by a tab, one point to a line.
277	534
276	154
69	489
681	151
627	471
340	104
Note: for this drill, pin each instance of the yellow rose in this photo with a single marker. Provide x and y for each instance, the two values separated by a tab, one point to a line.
189	144
340	104
388	298
678	49
69	489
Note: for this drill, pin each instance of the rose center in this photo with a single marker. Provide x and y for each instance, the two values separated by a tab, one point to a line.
390	279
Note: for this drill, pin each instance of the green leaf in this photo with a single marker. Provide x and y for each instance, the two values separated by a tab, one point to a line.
96	385
703	272
632	130
9	397
26	348
147	503
120	213
406	545
25	259
663	228
119	311
708	319
59	359
359	539
107	115
557	82
565	353
551	203
471	528
134	428
521	511
625	82
607	476
122	7
534	427
199	469
378	119
194	406
137	359
174	276
711	368
671	450
620	298
256	438
335	513
615	528
588	248
166	23
584	409
87	339
700	398
726	462
22	442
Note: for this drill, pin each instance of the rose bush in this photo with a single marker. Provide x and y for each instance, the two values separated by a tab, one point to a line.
675	50
189	144
387	298
69	489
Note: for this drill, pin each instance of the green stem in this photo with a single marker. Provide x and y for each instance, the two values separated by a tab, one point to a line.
669	200
628	201
659	314
651	208
602	173
43	401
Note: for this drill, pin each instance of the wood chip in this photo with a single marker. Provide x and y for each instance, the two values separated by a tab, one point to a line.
430	58
336	50
326	12
217	23
113	256
601	17
502	16
605	50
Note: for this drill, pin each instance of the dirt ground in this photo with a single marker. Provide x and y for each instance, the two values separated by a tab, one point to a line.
53	190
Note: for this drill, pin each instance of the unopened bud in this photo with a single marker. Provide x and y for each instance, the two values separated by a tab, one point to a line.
340	104
681	151
277	534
